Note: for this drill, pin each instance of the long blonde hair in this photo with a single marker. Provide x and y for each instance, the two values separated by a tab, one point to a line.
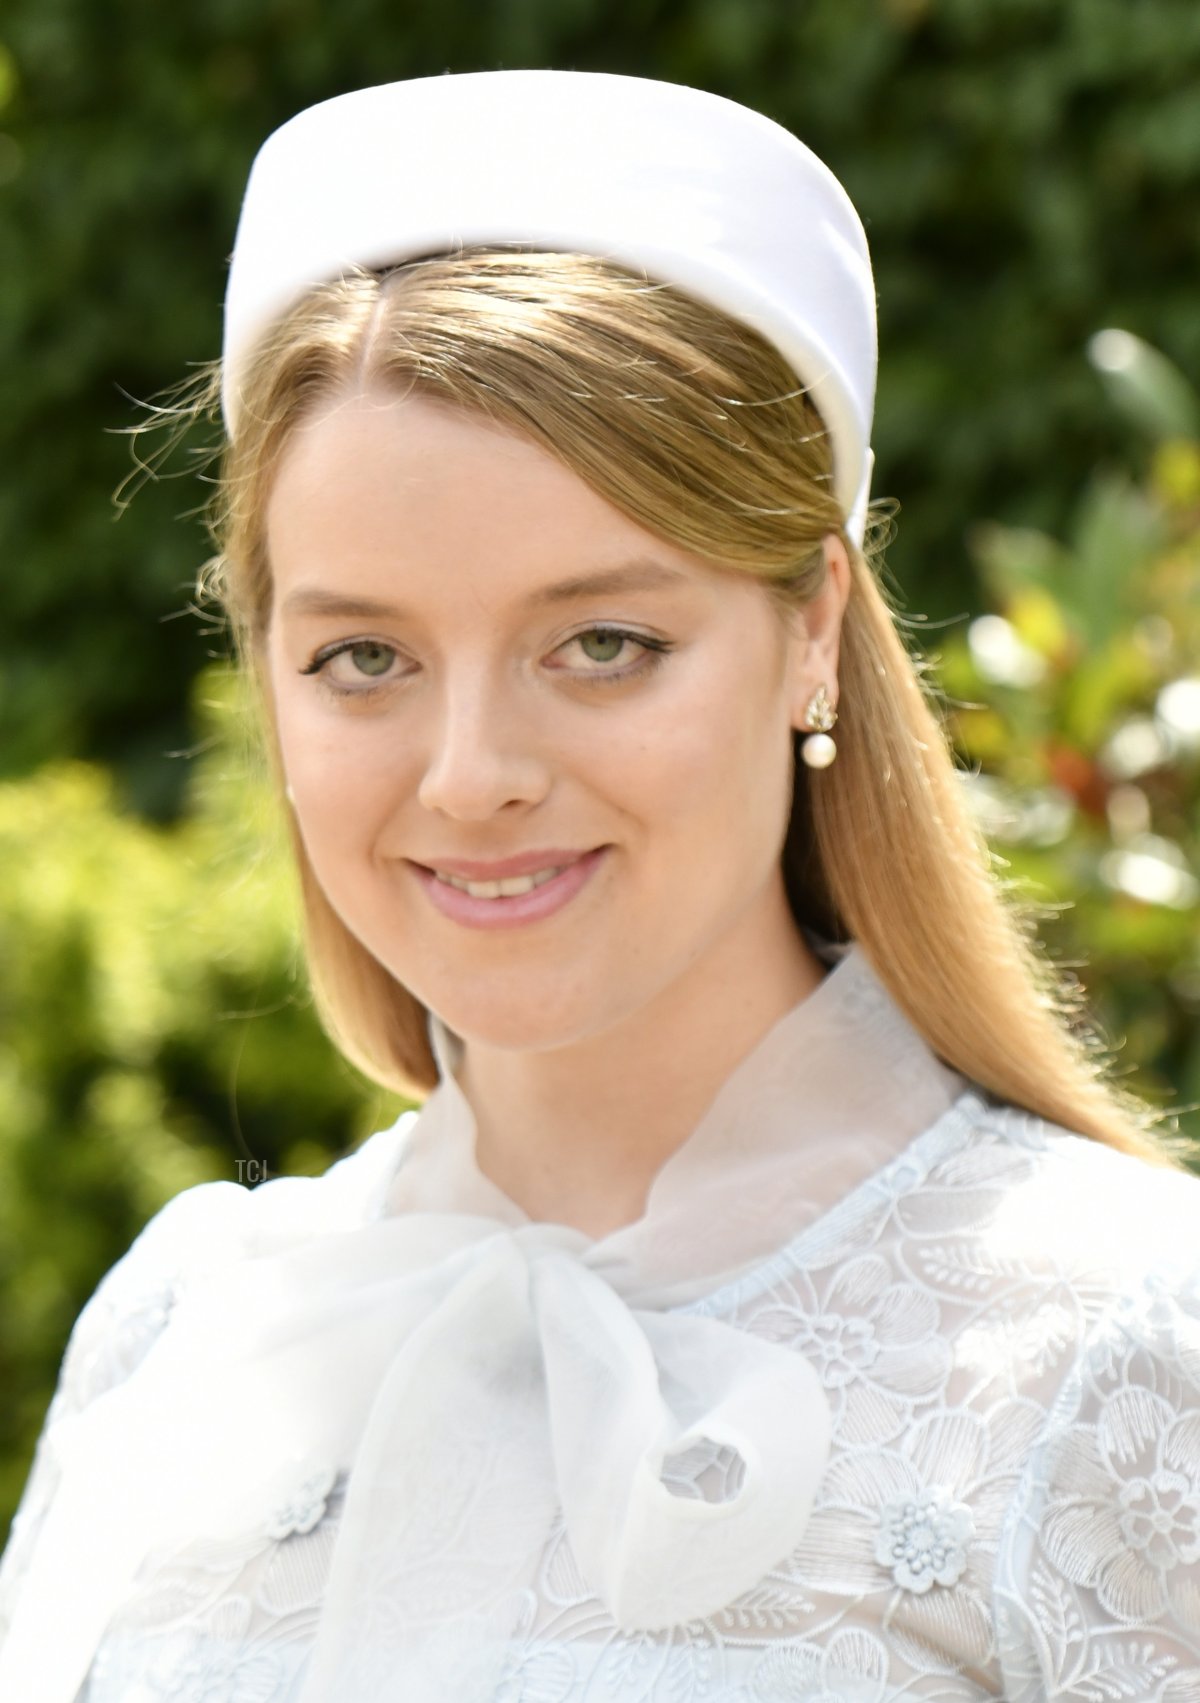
696	428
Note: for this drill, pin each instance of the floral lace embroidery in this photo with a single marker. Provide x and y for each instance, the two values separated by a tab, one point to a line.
1126	1519
1012	1508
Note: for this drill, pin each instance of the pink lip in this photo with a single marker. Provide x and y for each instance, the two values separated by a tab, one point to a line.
524	863
510	912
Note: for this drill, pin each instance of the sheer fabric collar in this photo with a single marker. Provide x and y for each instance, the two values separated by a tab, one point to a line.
832	1092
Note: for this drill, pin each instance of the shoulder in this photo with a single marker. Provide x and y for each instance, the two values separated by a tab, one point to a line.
207	1228
133	1300
1046	1254
1125	1235
1062	1278
204	1229
1098	1563
1049	1199
114	1331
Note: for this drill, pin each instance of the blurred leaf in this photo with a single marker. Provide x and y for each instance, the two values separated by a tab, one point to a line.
1011	557
1040	622
1175	472
8	77
1116	528
1100	685
1147	387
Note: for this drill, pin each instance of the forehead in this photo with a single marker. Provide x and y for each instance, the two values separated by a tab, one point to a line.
376	494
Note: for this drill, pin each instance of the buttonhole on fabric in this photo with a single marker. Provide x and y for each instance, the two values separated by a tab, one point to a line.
704	1471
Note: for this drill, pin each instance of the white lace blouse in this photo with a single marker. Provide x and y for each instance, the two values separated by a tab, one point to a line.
893	1392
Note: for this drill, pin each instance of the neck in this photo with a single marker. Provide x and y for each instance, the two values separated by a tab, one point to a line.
577	1134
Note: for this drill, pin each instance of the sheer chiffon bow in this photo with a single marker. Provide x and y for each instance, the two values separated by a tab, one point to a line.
512	1406
468	1401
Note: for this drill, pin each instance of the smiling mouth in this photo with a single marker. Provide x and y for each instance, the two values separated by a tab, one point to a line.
509	900
510	887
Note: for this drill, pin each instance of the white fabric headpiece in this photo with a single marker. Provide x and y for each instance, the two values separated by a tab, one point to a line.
691	188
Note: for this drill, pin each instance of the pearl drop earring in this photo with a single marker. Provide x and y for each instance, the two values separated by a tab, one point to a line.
819	750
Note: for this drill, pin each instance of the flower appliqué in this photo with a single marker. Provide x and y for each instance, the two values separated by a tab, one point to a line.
304	1504
923	1539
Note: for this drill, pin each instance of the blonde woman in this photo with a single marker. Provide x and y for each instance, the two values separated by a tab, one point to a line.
773	1298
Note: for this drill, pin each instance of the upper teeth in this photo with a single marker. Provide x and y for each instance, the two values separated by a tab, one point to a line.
501	889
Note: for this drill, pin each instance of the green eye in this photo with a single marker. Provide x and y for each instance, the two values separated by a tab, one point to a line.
604	638
371	659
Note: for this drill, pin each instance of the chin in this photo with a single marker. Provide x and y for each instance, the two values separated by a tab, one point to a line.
537	1024
515	1033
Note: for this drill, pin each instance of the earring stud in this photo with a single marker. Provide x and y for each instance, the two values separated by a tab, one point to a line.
819	750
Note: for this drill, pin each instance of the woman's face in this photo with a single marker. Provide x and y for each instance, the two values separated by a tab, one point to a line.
446	693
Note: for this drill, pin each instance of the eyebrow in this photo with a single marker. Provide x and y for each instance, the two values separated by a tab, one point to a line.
638	575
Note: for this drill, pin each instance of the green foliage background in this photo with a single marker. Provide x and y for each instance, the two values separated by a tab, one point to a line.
1026	170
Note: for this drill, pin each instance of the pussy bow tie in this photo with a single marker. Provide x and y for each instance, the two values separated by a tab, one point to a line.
476	1384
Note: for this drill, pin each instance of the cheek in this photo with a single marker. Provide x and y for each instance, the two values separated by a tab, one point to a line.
342	772
712	764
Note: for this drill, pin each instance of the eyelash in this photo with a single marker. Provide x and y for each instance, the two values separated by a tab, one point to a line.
655	650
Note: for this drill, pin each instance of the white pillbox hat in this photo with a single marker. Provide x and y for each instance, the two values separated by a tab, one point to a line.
689	187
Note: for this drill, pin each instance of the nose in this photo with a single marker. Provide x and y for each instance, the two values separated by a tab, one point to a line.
483	753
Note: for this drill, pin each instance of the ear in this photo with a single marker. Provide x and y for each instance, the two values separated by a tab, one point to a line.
816	633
